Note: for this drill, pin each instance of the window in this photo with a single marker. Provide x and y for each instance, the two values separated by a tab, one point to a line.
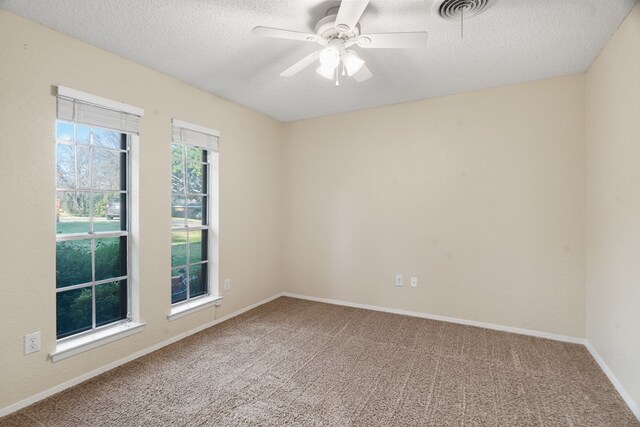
194	165
92	215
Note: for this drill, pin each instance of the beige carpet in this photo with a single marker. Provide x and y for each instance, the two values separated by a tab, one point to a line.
294	362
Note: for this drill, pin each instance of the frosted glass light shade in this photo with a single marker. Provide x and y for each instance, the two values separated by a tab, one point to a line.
329	58
326	72
352	62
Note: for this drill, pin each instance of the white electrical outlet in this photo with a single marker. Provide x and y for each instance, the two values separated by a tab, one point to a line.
227	284
398	279
414	282
32	343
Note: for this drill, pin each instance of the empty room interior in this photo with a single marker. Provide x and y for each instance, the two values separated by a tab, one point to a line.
320	213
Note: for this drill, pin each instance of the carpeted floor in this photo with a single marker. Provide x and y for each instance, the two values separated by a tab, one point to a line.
295	362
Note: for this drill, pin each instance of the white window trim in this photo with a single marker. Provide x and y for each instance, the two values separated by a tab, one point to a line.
70	346
182	309
212	297
196	128
98	338
110	104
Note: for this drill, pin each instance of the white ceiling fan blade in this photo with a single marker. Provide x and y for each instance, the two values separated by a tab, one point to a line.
300	65
349	14
362	75
285	34
394	40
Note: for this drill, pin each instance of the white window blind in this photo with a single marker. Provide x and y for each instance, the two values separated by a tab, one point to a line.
79	107
190	134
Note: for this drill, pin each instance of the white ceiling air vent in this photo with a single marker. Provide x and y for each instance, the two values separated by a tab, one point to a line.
455	10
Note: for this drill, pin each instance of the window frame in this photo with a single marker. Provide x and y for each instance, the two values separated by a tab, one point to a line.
206	139
93	236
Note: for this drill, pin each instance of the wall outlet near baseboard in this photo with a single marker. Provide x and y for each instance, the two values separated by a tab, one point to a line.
32	343
414	282
398	279
227	284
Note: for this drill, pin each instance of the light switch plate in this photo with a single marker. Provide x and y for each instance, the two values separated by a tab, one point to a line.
398	279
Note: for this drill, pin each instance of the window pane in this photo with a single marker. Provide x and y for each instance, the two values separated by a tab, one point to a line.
65	166
107	138
73	311
195	178
73	262
197	280
98	162
84	177
106	169
195	154
111	257
64	132
188	208
111	302
178	248
197	246
196	214
72	212
83	134
178	285
106	212
178	211
177	168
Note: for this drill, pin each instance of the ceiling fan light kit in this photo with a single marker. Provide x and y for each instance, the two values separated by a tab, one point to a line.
336	33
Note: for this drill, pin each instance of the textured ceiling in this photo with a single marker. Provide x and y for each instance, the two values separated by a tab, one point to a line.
208	43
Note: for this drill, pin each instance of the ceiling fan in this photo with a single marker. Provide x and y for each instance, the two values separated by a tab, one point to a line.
337	32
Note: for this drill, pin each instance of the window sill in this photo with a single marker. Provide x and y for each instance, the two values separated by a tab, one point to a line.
96	339
183	309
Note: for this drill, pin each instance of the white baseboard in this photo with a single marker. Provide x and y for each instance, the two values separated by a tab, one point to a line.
635	408
60	387
547	335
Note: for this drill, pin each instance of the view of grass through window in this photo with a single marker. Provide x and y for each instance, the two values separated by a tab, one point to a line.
91	228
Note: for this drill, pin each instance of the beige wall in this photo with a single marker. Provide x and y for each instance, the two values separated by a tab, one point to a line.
32	59
480	195
613	205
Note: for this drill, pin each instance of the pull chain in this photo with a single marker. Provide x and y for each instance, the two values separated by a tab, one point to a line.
462	21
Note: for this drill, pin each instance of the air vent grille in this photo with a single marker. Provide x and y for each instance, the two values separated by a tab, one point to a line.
455	9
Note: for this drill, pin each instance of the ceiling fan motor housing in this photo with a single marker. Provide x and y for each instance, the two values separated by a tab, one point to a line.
326	28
